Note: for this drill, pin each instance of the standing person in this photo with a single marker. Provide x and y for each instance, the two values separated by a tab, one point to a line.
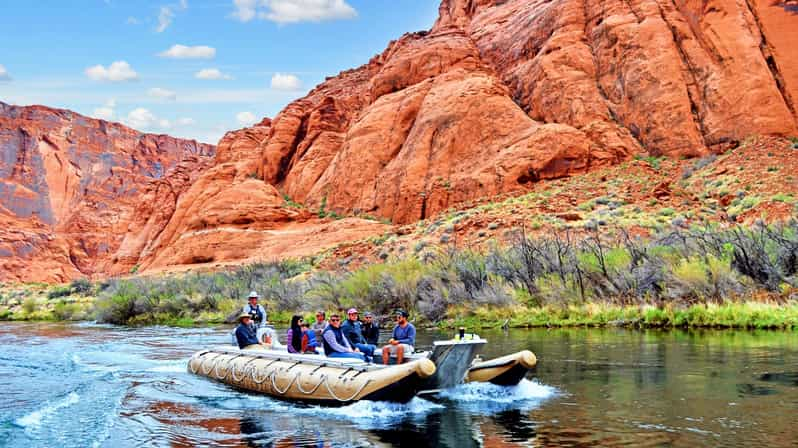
353	331
255	310
245	333
295	339
402	340
371	330
335	343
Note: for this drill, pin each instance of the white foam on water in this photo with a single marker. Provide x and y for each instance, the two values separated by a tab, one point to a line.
170	367
487	397
35	418
373	413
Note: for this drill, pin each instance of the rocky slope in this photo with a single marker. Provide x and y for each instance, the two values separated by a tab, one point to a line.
73	189
501	94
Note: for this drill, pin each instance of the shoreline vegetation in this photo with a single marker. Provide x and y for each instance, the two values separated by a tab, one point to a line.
698	277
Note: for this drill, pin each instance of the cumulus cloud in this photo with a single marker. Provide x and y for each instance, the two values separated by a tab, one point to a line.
211	74
162	94
287	82
132	21
142	119
106	111
185	52
185	121
164	19
4	76
292	11
246	118
118	71
244	10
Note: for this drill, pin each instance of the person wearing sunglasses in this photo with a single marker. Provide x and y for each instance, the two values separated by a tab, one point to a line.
335	343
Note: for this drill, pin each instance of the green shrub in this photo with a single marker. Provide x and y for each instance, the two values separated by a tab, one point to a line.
59	291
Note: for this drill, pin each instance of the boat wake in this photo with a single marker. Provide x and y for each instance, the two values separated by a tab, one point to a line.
35	418
377	413
487	398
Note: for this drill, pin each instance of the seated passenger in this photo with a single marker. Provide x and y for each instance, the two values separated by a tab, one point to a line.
371	329
402	340
295	340
309	336
245	333
335	343
353	331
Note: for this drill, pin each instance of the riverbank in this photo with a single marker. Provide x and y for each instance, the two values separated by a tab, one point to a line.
734	277
731	315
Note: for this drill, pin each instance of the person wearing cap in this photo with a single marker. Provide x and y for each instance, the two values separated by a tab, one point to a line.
402	340
353	331
256	311
245	333
371	330
335	343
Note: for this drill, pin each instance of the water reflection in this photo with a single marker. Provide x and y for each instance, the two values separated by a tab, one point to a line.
84	385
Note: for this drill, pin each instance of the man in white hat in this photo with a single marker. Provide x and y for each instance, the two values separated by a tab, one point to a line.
245	333
256	311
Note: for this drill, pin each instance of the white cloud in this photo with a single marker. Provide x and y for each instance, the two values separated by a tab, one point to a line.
292	11
246	118
285	82
106	111
212	74
184	52
162	94
116	72
4	76
185	121
164	19
183	4
142	119
245	10
132	21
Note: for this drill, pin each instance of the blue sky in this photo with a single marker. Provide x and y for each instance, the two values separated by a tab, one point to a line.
189	68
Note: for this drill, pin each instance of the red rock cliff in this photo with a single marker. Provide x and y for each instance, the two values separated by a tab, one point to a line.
502	93
72	190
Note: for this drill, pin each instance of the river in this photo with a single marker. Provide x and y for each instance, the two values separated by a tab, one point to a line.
82	385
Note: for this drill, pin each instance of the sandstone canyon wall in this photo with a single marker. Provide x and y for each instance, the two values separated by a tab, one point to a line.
73	188
497	95
502	93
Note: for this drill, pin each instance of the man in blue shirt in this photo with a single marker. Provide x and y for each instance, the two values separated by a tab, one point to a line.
402	340
353	331
245	333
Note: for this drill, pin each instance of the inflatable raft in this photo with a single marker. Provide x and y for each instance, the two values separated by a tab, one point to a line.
312	378
508	370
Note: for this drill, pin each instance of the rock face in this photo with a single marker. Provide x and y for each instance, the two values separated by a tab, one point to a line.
502	93
499	94
72	188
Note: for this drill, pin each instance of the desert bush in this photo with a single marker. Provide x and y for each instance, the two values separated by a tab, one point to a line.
81	286
59	291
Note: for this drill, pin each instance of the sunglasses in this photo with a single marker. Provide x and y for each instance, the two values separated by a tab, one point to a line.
335	320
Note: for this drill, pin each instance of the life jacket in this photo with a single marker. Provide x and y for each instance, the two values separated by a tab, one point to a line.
257	315
339	337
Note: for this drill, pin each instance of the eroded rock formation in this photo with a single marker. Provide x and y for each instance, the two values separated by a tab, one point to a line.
72	188
502	93
497	95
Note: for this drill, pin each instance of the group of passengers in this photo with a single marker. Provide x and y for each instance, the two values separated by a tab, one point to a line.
351	338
